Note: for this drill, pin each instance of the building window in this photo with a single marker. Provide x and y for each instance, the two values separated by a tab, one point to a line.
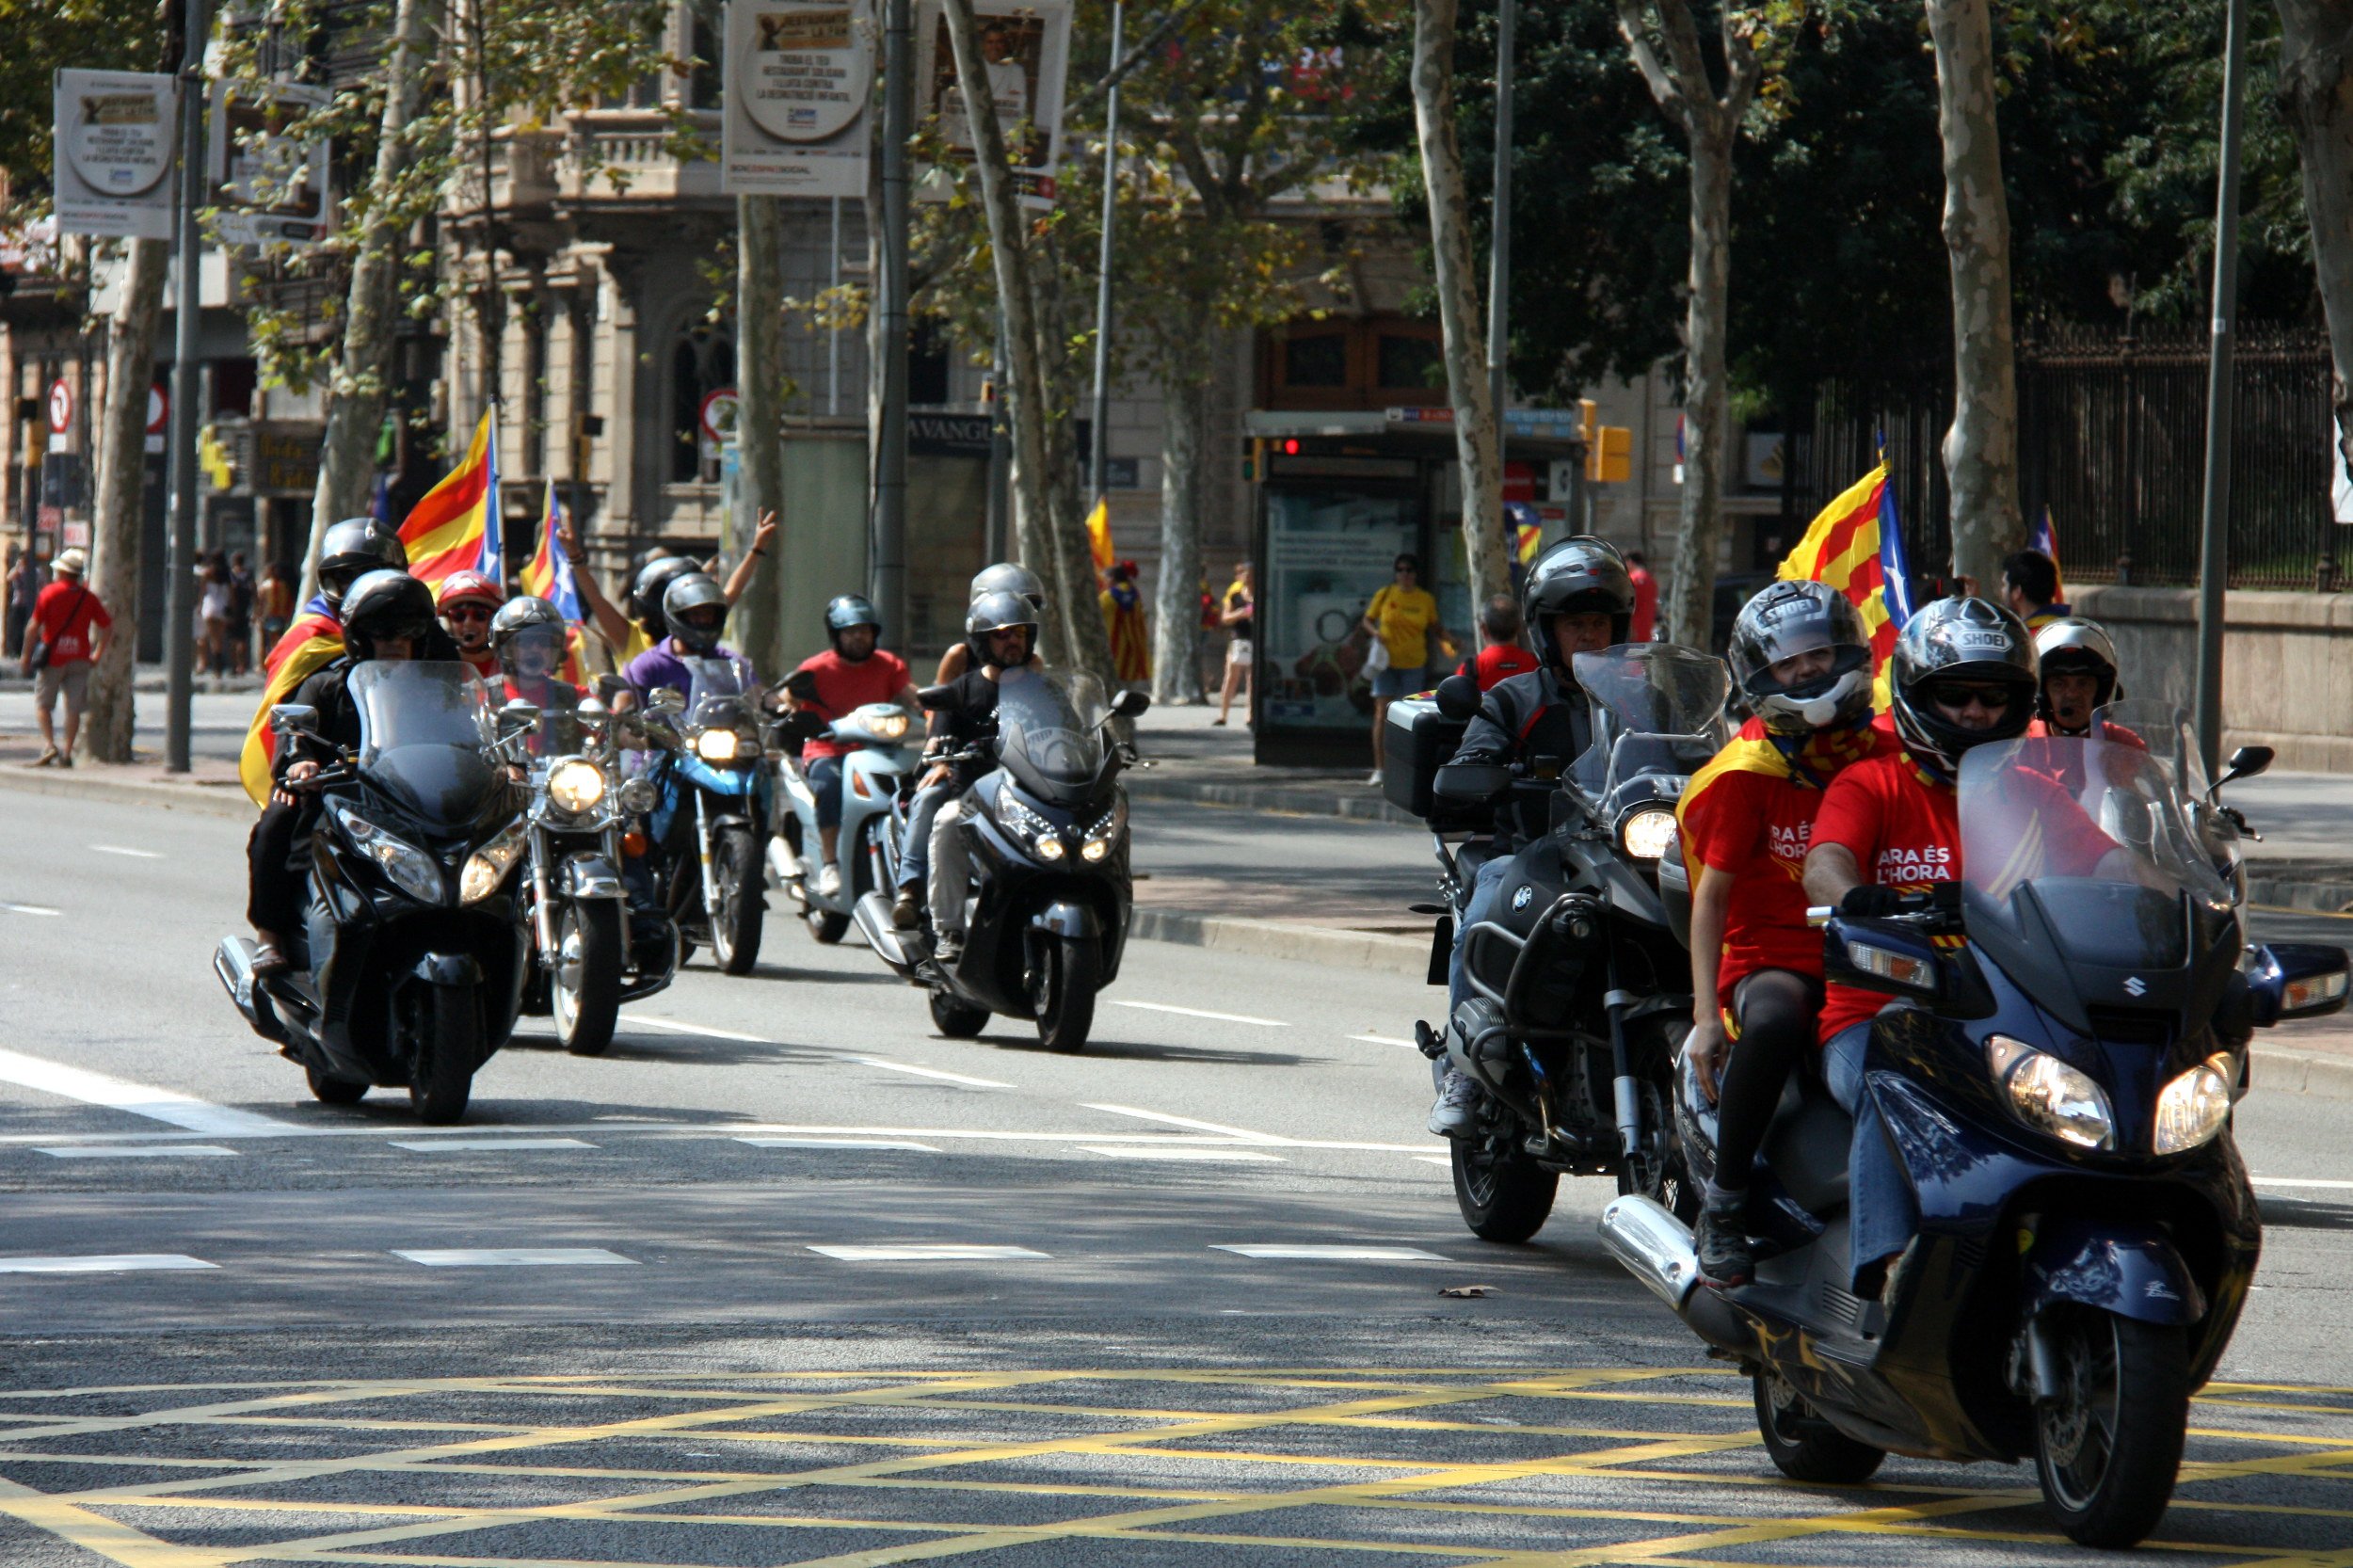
1410	363
1342	364
1316	362
927	363
702	87
701	363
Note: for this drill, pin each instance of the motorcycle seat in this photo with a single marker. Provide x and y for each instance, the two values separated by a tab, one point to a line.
1469	856
1807	1145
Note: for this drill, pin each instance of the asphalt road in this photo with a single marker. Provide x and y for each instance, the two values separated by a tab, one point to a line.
632	1311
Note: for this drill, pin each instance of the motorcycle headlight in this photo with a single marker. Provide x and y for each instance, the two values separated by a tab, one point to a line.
887	727
1648	833
575	785
1103	835
410	868
2194	1106
2052	1096
717	746
1043	837
488	866
638	796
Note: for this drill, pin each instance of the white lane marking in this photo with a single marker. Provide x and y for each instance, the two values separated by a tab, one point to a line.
30	909
1239	1135
1385	1040
162	1105
1330	1254
2299	1181
696	1029
434	1145
1200	1013
1165	1151
679	1130
130	1151
836	1143
926	1252
886	1063
102	1263
1435	1158
125	849
513	1257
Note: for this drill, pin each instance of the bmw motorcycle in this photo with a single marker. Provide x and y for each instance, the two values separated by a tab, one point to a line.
1580	978
409	968
711	811
1047	833
871	780
2066	1034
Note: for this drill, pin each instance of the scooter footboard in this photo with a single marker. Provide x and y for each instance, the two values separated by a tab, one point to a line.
2117	1265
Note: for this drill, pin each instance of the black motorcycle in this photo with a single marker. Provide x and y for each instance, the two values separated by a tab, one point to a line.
1051	894
2054	1081
1581	979
409	968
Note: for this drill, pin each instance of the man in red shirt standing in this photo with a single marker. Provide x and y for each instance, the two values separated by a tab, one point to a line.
1645	627
1504	656
67	634
851	674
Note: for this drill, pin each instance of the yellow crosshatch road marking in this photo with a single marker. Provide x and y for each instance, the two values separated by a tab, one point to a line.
1517	1468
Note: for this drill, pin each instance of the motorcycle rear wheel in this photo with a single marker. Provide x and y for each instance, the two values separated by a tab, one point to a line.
441	1080
333	1091
955	1017
735	929
585	985
1803	1445
1069	970
2107	1449
1504	1196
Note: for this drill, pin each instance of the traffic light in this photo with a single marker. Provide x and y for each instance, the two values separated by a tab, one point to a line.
1254	460
1609	456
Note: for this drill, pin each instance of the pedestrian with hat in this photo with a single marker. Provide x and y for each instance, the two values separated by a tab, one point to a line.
67	634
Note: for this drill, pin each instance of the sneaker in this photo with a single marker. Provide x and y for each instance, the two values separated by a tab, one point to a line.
48	759
949	949
907	912
1726	1256
1373	778
1456	1114
829	880
268	962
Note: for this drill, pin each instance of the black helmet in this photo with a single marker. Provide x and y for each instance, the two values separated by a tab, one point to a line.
1005	577
844	611
1959	639
2073	646
993	612
1580	575
354	546
1788	619
693	590
385	603
646	594
524	621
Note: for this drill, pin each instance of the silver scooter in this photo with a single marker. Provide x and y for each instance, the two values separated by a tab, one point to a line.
870	781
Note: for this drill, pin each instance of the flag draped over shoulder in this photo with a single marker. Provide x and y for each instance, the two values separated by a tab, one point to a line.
455	528
1856	546
314	640
549	575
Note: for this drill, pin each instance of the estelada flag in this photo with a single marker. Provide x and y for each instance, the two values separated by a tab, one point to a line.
1099	533
314	640
455	528
549	575
2044	538
1856	546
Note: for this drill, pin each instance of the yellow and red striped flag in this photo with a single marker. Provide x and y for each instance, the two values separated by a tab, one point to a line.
549	575
313	641
1099	533
1856	546
455	528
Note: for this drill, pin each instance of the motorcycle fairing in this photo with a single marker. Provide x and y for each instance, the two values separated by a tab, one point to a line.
2132	1271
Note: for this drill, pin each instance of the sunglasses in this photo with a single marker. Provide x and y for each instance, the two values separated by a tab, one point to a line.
1953	693
467	612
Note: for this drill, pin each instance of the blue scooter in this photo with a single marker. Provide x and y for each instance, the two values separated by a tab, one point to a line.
713	803
871	780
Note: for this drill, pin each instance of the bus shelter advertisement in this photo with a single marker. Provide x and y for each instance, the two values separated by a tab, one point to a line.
1328	552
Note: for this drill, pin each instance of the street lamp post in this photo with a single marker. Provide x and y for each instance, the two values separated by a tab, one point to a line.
1499	250
889	566
180	558
2214	545
1099	459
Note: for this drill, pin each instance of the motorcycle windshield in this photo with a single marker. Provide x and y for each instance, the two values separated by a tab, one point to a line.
426	731
2098	831
1657	711
719	691
1049	730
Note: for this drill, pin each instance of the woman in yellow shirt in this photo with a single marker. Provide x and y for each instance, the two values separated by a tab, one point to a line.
1403	618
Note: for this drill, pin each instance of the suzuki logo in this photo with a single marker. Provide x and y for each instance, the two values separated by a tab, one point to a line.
2135	987
1520	899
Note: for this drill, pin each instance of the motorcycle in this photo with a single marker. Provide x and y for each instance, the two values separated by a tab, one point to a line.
1580	978
710	811
871	780
1047	833
2056	1079
410	964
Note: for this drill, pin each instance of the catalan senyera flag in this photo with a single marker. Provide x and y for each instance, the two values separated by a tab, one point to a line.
314	640
1099	533
455	528
549	575
1856	546
2044	538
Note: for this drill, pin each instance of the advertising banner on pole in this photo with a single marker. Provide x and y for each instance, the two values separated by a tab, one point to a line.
1026	45
115	135
800	74
267	185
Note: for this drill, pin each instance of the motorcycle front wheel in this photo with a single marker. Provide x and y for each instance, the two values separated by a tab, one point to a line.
2107	1449
1063	996
1504	1196
735	867
585	985
440	1078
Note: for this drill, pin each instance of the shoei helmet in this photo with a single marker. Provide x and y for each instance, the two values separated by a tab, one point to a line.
1959	639
646	594
354	546
385	603
1004	577
460	587
2073	646
846	611
526	621
995	612
1785	619
687	595
1580	575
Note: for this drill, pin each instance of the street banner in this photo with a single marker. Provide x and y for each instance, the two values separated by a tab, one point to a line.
267	184
800	75
1026	45
116	131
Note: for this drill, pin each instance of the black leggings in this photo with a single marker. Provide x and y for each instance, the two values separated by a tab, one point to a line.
1778	1010
277	860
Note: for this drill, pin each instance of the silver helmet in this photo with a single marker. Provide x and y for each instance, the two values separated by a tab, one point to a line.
1972	640
1783	620
2073	646
996	612
1005	577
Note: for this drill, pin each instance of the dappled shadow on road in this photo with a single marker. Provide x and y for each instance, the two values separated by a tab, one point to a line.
2305	1214
1136	1050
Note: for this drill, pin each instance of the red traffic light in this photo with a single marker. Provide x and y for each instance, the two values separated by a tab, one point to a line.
1291	447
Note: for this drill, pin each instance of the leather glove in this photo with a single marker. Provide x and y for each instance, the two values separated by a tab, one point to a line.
1868	901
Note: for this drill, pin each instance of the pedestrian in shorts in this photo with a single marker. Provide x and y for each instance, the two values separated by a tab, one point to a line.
67	634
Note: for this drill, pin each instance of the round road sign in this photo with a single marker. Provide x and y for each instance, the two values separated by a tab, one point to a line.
60	406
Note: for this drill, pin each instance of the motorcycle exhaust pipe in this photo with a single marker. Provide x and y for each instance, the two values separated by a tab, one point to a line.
1649	1243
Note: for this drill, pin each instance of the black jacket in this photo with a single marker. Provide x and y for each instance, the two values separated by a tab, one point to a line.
328	691
1526	717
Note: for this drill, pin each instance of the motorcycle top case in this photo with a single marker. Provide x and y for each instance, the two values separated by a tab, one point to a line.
1419	742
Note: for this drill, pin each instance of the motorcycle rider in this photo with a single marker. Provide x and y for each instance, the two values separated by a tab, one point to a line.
386	613
848	676
1000	635
530	637
695	612
1577	598
351	548
1802	657
1005	577
2077	659
467	601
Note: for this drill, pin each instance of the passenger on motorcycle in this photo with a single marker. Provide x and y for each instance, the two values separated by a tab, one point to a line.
1801	658
639	624
999	636
2078	674
1003	577
386	614
1577	599
694	610
531	637
351	548
853	672
466	601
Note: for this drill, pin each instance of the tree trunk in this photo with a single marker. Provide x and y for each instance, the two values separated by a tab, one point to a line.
356	395
1177	598
122	497
1981	448
1691	589
759	423
2316	101
1478	436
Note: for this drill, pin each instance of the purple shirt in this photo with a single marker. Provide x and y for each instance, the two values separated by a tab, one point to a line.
661	665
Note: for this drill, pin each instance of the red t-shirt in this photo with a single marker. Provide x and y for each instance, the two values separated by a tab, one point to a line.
62	618
485	661
1500	662
843	685
1645	605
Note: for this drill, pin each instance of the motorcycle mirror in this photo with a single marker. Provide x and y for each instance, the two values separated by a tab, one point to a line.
592	711
802	685
935	696
293	718
666	699
517	717
1458	696
1128	704
2246	762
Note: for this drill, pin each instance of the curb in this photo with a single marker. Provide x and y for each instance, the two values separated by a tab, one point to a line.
87	782
1272	799
2303	1072
2323	889
1306	944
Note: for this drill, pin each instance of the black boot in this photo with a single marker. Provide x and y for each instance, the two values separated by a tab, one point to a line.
1725	1257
